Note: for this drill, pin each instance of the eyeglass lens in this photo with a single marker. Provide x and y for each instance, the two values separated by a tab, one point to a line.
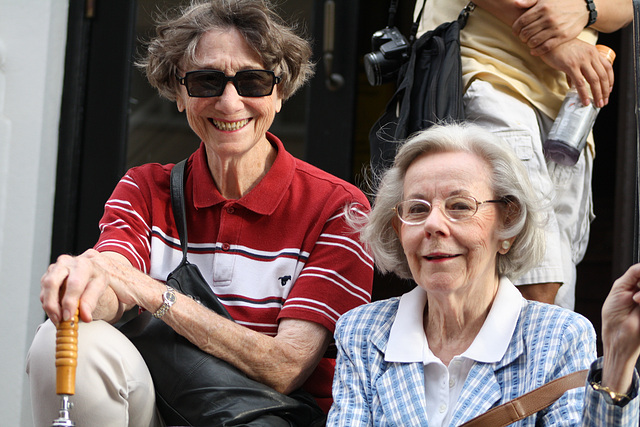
250	83
457	208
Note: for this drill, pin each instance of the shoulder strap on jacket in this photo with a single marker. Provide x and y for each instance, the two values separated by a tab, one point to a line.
529	403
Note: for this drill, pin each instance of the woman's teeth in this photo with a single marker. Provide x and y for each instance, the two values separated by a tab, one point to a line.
230	126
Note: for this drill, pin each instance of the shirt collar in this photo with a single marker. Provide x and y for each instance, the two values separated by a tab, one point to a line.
262	199
491	343
408	343
407	340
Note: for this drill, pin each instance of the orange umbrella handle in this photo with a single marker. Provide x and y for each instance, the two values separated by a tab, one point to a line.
67	356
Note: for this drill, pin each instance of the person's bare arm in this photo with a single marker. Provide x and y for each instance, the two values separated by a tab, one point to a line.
580	61
545	24
613	15
105	285
621	331
543	292
506	11
283	362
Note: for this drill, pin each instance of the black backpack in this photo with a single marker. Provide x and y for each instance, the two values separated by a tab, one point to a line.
429	90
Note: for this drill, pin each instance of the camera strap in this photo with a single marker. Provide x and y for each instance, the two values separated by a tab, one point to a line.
416	24
393	9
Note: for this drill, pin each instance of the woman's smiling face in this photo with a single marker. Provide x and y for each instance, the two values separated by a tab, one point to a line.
444	256
230	125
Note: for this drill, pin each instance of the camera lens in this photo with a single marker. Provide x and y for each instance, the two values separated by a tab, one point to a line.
372	68
390	51
380	70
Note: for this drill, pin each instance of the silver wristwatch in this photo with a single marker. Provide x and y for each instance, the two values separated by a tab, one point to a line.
168	299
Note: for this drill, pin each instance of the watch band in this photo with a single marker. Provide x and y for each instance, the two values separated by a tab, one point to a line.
168	299
611	396
593	13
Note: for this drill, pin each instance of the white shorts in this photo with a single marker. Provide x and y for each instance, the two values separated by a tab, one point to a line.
567	188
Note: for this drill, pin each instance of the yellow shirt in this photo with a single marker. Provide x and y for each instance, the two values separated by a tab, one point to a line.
492	53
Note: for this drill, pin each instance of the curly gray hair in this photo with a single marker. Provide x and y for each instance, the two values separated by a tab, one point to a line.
509	181
173	49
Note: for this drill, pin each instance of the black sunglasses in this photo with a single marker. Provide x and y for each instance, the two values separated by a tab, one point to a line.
209	83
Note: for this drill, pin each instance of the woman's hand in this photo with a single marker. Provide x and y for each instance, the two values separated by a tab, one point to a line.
621	331
548	23
585	68
87	282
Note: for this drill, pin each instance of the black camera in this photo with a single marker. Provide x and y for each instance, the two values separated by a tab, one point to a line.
390	49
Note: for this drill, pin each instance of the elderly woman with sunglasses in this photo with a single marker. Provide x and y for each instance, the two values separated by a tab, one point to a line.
268	231
456	214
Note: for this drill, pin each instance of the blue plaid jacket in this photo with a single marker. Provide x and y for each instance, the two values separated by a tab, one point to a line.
548	342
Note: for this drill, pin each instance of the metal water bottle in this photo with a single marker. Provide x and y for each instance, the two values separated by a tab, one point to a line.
568	135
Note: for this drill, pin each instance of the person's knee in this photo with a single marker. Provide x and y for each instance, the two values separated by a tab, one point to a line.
101	348
107	357
112	380
41	354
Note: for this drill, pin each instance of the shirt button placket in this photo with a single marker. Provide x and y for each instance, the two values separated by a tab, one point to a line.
230	210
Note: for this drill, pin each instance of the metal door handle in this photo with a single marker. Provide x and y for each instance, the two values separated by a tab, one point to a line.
334	81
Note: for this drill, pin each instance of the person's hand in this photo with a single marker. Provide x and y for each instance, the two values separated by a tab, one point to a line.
548	23
86	282
621	330
129	285
65	282
585	68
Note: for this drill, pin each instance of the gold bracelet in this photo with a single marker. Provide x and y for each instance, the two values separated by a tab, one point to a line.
611	396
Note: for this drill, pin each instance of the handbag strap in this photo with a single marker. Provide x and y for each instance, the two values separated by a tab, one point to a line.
529	403
188	277
178	205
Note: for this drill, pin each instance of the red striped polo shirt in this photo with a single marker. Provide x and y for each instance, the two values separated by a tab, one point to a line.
281	251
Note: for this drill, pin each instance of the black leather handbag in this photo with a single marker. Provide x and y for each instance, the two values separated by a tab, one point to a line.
194	388
429	89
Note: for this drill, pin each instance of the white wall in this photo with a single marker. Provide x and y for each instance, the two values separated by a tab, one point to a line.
32	47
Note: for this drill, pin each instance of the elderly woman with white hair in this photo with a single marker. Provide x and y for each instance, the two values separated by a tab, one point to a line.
456	214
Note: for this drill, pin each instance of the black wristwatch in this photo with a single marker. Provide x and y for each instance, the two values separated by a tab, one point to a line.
168	299
593	13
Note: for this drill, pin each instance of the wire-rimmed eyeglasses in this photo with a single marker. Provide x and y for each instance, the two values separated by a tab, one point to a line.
210	83
455	208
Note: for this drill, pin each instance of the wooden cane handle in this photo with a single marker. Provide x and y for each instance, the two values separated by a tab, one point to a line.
67	356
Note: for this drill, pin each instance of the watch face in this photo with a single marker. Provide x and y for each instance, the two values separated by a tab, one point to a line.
170	297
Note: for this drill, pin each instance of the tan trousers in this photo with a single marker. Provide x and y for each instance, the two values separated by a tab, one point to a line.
113	385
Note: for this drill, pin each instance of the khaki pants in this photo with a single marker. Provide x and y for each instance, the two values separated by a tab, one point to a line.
113	384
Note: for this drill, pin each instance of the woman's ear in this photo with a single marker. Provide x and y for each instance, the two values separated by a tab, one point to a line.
510	216
278	99
180	103
395	223
511	212
505	245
